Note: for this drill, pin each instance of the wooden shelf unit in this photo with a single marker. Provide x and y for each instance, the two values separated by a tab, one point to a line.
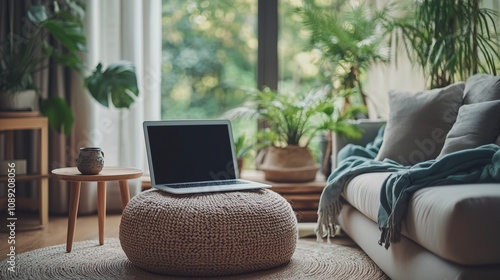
10	124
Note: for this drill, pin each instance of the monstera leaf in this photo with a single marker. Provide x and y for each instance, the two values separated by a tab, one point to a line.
117	84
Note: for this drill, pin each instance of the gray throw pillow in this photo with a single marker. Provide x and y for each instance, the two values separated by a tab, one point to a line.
481	88
477	124
418	123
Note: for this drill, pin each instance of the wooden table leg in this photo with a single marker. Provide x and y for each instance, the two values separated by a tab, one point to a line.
73	212
44	202
124	193
101	209
44	182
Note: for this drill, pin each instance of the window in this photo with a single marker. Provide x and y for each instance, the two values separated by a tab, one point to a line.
214	50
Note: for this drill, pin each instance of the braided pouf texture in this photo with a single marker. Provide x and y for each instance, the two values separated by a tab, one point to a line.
209	234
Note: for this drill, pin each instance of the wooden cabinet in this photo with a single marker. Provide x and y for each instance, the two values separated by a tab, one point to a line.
8	124
304	197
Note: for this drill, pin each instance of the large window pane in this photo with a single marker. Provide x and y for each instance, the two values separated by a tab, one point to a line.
209	59
298	65
209	56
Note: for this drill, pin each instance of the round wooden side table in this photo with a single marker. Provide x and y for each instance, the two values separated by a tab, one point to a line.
120	174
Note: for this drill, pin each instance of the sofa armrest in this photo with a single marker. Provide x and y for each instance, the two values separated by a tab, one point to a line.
370	130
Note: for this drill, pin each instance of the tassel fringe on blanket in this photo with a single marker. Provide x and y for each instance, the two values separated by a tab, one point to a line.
328	221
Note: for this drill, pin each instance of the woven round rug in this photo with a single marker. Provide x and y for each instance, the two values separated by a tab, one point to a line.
88	260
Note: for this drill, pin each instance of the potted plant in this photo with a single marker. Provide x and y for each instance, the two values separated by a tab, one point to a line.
349	40
56	35
293	119
242	148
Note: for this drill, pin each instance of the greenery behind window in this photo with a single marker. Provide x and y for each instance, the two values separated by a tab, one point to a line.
209	54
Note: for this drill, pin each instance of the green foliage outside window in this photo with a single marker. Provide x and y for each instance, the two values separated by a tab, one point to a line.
209	54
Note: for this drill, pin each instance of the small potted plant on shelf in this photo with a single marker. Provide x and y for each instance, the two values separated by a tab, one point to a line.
242	148
58	35
292	121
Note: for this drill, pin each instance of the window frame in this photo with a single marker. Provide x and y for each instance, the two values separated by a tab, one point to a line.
267	36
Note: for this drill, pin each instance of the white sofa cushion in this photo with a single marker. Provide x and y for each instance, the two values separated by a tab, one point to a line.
363	193
458	222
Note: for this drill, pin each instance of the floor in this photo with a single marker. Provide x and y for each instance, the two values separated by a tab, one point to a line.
86	229
55	232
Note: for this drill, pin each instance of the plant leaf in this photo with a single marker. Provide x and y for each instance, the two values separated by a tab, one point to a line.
117	83
37	13
58	112
68	32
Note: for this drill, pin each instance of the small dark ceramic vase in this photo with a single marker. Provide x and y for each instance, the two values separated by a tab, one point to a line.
90	160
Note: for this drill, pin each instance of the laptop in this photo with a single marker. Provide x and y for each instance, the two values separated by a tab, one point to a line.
193	156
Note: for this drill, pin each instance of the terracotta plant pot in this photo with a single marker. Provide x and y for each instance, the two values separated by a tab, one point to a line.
289	164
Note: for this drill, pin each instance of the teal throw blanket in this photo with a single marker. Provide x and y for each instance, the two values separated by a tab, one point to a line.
479	165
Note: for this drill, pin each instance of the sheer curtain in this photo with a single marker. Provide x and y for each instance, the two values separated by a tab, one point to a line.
116	30
399	74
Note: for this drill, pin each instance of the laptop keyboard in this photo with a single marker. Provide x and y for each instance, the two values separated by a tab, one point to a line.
205	184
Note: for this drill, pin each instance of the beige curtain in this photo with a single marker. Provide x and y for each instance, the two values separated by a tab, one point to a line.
116	30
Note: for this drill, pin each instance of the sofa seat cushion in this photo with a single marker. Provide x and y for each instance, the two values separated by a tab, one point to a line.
459	223
363	193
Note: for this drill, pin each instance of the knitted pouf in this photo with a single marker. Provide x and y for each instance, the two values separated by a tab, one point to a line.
210	234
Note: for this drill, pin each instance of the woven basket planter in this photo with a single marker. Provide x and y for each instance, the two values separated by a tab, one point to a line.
289	164
211	234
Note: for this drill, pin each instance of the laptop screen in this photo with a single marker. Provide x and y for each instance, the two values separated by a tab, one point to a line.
190	153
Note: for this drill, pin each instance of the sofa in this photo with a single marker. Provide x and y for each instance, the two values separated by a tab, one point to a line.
451	230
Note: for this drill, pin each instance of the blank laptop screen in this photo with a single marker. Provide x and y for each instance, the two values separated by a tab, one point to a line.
190	153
